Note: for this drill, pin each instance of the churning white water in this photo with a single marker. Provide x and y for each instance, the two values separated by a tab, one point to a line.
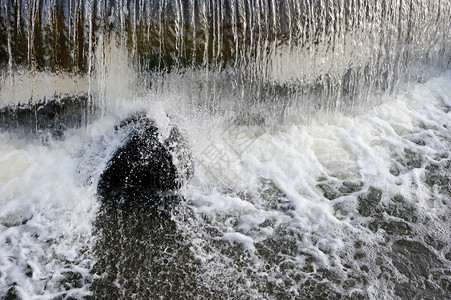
337	197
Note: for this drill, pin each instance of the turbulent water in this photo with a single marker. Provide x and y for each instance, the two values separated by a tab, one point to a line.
320	132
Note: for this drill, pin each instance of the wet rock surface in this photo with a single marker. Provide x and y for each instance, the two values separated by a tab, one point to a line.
46	117
138	194
144	165
142	162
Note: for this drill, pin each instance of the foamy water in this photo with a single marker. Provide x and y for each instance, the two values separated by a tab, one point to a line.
45	218
344	206
329	202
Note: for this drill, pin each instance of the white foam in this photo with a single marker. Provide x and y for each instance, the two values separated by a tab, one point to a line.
48	215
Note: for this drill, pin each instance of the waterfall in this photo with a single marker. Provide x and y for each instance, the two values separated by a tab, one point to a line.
298	55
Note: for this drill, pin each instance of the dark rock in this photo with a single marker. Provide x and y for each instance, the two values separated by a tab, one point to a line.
138	247
144	165
12	222
50	117
72	280
394	170
181	155
396	228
